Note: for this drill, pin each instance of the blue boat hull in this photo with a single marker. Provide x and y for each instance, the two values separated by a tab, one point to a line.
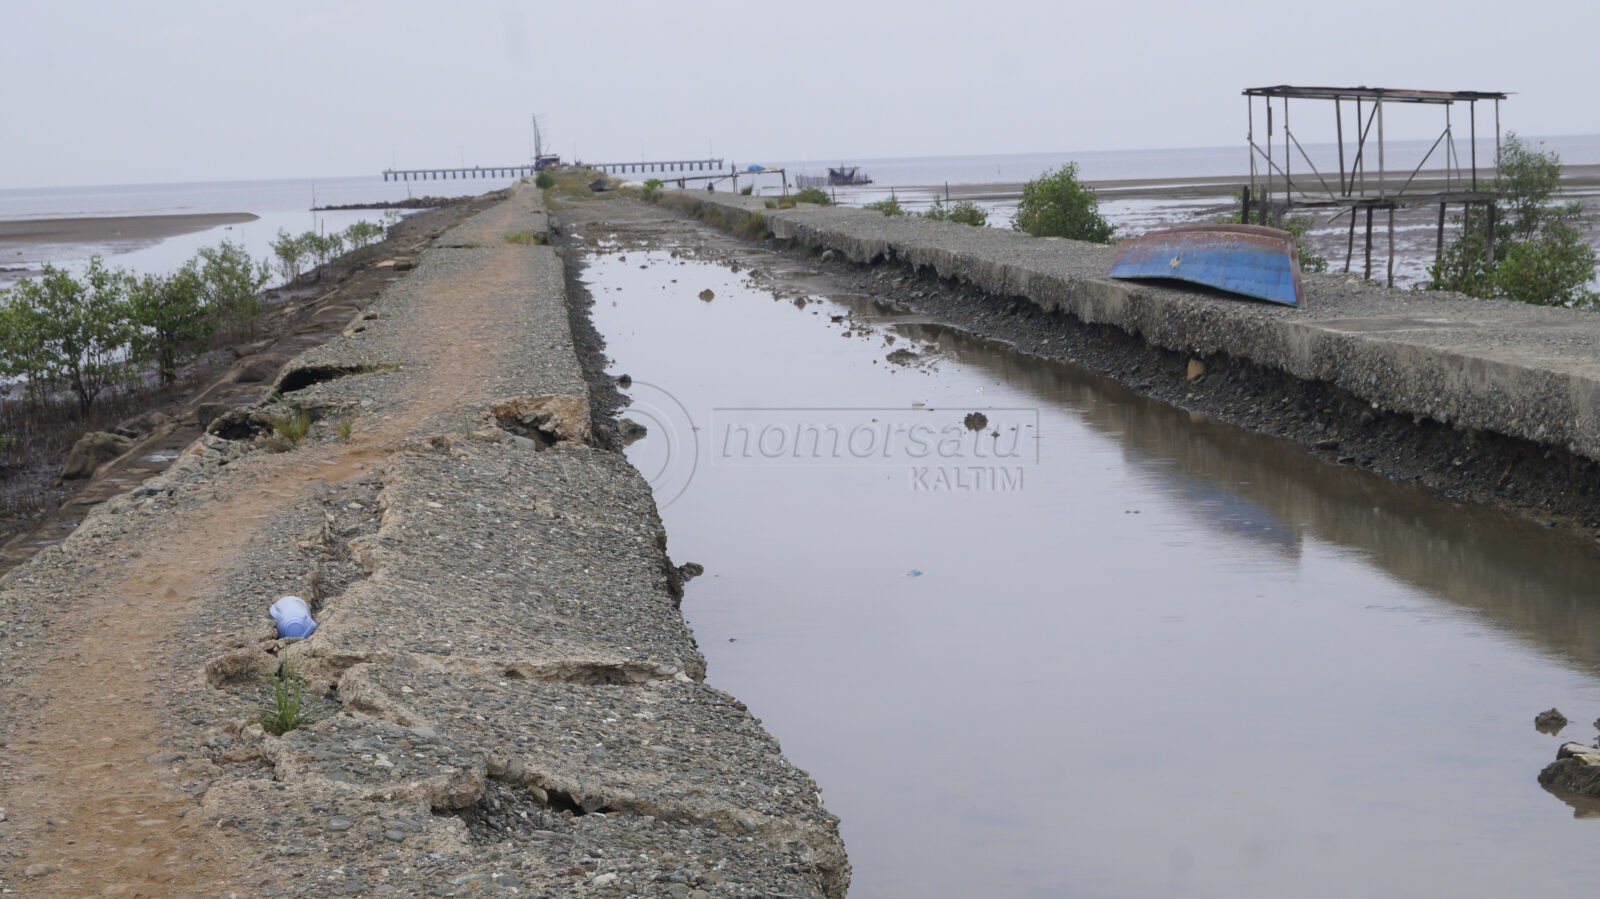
1248	260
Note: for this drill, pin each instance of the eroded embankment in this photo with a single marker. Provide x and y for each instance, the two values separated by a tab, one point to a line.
507	696
1485	401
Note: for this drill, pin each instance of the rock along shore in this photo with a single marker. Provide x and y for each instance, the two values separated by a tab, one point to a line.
1523	378
508	700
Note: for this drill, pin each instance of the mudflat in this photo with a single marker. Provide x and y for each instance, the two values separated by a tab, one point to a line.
115	228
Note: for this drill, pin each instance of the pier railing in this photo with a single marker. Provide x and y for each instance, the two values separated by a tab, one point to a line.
523	171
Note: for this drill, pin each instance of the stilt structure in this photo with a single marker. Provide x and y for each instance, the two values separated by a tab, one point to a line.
1275	188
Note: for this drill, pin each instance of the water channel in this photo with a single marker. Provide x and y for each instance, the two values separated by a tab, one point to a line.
1097	646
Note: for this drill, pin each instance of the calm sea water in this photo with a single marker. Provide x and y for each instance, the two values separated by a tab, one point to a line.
281	204
1122	165
286	204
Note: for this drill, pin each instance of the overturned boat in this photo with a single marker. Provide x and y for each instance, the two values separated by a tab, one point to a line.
1249	260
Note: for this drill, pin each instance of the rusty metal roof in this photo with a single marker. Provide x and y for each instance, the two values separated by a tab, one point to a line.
1372	93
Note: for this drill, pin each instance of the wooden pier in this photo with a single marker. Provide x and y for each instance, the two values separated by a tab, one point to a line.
477	171
674	165
523	171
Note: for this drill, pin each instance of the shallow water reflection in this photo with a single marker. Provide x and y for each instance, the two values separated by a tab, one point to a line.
1151	654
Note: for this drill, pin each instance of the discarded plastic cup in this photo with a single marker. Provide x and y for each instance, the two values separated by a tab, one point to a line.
293	617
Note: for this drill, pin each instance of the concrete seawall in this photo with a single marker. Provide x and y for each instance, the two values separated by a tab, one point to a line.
1526	372
509	699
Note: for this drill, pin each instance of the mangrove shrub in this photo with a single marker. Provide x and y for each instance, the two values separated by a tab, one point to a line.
1540	255
172	320
62	329
965	212
1057	204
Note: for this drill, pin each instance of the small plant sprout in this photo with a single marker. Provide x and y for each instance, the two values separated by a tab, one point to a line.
289	708
889	206
293	426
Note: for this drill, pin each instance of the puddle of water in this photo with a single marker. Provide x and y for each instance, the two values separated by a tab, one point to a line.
1146	653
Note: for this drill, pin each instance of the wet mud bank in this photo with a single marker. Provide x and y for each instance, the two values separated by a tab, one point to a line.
504	695
1479	401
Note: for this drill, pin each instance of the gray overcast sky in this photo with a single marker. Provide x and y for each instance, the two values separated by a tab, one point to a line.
112	92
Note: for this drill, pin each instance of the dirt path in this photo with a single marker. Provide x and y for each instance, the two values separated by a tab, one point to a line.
94	799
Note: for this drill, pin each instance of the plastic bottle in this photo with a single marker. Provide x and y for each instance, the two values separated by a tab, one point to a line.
293	617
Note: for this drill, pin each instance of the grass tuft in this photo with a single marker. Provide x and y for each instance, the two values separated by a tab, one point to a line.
813	195
289	708
293	427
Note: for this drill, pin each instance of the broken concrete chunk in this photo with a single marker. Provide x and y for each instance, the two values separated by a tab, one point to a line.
91	451
259	369
550	418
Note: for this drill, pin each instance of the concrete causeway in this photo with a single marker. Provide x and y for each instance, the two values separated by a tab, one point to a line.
509	700
1523	371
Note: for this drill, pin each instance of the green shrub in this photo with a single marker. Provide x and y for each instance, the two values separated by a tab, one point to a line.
60	328
291	251
232	284
890	206
362	233
544	180
964	212
1057	204
813	195
1310	259
172	318
652	190
1541	256
325	247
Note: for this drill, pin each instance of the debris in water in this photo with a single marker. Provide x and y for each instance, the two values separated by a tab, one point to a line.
630	431
1549	721
915	572
707	295
976	421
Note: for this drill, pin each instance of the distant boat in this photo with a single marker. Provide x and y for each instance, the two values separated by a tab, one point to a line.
1248	260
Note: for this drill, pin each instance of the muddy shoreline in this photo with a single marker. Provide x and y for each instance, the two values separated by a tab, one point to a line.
105	229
